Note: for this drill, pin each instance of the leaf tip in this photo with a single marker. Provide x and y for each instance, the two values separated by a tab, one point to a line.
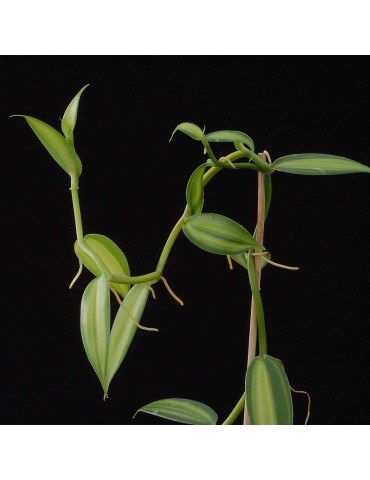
173	133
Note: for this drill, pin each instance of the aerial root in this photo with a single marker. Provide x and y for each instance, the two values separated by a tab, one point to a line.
227	160
152	290
300	391
308	402
230	262
267	155
171	292
280	265
121	304
77	275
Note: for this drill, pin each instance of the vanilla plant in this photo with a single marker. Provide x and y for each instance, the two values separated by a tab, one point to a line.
266	399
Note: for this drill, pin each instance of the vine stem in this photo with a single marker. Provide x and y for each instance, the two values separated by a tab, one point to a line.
76	209
231	419
261	207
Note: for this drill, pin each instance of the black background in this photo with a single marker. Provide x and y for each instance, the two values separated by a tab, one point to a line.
133	190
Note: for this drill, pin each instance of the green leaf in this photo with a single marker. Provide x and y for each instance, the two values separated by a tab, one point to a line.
124	329
189	129
217	234
318	164
230	136
70	116
269	398
181	410
110	254
95	324
242	260
56	145
195	190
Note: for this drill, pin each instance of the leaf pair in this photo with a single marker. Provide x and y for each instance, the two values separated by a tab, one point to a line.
110	254
59	147
105	347
218	234
268	395
221	136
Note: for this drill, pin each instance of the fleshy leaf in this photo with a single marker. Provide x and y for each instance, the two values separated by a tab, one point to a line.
56	145
230	136
124	329
269	398
189	129
195	190
70	116
181	410
217	234
318	164
111	255
95	324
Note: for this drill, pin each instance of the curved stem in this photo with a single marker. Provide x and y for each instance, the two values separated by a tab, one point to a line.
232	157
148	277
171	240
231	419
207	177
211	154
256	159
156	275
93	256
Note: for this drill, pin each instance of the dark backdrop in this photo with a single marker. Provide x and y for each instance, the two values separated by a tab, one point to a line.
133	190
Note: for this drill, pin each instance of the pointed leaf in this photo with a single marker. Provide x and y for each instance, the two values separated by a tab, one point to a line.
269	398
111	255
70	116
95	324
218	234
124	329
189	129
230	136
182	410
195	190
318	164
56	145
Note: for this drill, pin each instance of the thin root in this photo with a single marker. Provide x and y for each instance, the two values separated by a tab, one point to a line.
280	265
77	275
308	404
121	304
116	295
227	160
171	292
266	153
230	262
152	290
